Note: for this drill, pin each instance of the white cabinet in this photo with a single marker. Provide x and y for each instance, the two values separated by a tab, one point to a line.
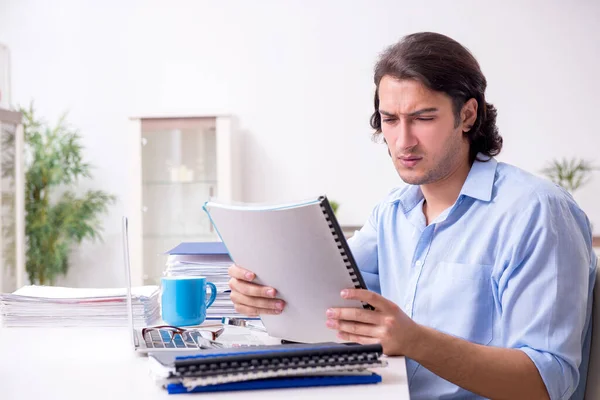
181	163
12	202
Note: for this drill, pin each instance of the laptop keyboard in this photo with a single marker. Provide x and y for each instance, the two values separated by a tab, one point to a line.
161	338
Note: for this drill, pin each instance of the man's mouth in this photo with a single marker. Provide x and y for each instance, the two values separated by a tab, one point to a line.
409	161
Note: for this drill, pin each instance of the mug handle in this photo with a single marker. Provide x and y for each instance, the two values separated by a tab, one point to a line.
213	294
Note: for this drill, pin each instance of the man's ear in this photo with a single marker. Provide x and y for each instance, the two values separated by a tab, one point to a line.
468	114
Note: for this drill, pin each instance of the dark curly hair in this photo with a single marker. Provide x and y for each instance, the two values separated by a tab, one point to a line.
443	65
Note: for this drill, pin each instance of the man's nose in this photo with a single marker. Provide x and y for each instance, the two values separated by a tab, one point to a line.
405	138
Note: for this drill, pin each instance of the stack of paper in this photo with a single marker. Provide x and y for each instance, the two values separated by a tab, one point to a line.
62	306
215	272
208	259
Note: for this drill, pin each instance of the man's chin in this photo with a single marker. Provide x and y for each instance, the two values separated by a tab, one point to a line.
412	178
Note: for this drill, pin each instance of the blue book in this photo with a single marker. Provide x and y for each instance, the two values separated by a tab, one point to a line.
280	383
199	248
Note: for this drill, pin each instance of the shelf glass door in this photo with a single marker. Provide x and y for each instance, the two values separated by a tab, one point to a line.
178	176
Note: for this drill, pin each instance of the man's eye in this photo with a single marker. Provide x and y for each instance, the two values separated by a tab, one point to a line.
388	120
425	119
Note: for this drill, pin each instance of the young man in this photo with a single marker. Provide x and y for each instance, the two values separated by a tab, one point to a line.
480	273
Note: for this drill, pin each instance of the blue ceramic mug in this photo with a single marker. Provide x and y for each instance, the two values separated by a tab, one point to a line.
183	299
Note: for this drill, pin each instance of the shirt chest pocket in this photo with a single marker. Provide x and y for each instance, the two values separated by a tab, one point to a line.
460	302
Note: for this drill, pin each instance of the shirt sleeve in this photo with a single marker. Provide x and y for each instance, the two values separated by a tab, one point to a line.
363	245
544	289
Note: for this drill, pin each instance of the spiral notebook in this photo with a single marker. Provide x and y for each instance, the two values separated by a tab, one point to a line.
300	250
267	367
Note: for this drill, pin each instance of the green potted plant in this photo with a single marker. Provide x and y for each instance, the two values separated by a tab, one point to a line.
56	217
571	174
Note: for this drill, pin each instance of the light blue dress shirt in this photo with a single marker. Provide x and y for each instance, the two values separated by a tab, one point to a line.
510	265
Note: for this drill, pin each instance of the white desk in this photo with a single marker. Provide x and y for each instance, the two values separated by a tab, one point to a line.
99	363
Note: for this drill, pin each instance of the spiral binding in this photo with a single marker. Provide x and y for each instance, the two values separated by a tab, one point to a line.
206	370
307	362
347	258
340	247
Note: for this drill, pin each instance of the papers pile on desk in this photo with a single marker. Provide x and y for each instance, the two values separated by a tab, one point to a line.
208	259
61	306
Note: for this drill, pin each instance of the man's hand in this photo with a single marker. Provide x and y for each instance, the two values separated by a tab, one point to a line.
387	324
491	372
249	298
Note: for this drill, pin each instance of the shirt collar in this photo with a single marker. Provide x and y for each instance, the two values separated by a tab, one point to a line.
478	185
408	198
480	181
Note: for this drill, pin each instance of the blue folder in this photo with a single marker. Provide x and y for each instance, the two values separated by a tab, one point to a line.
280	383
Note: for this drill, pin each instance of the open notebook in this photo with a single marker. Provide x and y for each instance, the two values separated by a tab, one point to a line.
300	250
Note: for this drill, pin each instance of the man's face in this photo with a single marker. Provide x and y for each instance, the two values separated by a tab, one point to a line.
418	125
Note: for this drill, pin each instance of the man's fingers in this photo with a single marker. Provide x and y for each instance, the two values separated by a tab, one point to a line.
354	328
251	289
357	338
355	314
241	281
257	302
235	271
253	311
246	310
379	302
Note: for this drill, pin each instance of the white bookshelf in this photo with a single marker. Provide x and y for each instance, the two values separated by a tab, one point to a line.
180	162
12	202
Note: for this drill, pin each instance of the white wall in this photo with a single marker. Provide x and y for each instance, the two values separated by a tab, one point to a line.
298	74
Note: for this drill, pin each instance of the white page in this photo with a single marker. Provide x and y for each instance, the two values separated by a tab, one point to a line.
294	251
57	292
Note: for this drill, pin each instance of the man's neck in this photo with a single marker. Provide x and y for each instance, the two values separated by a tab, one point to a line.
442	194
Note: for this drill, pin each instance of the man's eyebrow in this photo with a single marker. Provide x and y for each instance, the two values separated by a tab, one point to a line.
412	114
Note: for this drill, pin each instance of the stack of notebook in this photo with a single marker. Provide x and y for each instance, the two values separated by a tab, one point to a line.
62	306
208	259
264	367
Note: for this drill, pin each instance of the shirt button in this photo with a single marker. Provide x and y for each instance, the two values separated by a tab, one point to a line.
419	263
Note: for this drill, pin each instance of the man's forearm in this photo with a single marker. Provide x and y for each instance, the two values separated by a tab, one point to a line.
491	372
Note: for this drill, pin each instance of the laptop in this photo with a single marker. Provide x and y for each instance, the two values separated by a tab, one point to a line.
153	340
